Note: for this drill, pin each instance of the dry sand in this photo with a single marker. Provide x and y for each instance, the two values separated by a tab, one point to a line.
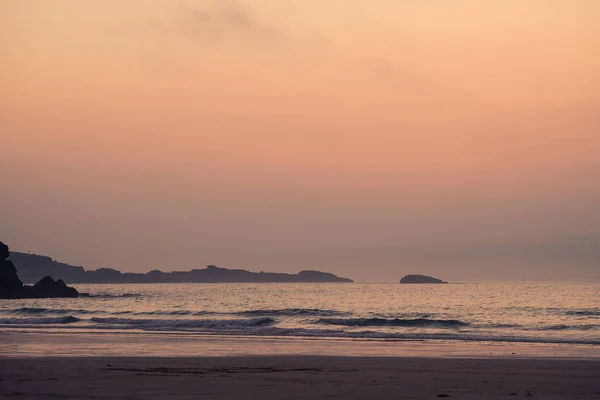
298	377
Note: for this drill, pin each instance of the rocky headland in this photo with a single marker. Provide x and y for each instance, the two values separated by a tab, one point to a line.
11	287
32	268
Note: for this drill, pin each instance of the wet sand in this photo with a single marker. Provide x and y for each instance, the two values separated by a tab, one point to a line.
120	344
298	377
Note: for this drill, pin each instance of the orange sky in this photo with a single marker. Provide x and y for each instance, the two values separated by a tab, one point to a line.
290	134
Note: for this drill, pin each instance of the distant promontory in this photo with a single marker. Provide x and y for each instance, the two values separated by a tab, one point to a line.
420	279
33	267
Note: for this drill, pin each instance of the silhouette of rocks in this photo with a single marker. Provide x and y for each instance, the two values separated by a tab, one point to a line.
48	287
3	251
420	279
32	267
318	276
11	286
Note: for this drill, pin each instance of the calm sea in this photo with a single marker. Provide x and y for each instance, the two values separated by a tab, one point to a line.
479	312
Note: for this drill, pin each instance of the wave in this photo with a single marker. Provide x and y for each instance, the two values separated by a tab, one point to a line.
293	312
289	312
498	326
39	321
165	312
395	322
404	315
264	327
146	324
563	327
26	310
584	313
183	324
39	310
113	296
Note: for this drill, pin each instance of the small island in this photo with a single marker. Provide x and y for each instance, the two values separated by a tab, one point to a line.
420	279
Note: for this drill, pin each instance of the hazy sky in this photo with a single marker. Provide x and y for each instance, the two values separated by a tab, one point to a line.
366	138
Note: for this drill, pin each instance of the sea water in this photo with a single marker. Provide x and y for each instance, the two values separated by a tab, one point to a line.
566	313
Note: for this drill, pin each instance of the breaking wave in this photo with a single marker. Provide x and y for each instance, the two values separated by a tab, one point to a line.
114	296
409	323
584	313
563	327
293	312
40	310
266	327
284	312
183	324
39	321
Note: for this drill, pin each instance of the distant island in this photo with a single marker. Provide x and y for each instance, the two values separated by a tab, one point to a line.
420	279
32	268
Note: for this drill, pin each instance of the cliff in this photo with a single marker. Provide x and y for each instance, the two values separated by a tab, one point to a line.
32	267
420	279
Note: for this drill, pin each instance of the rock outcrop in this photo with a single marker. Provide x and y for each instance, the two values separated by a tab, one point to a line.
48	287
11	286
420	279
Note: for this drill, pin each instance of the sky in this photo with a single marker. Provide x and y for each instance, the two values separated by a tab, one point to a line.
370	139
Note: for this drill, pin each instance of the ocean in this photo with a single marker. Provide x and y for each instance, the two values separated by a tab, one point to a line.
561	313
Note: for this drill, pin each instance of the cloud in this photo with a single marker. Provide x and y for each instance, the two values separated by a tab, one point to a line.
216	20
207	23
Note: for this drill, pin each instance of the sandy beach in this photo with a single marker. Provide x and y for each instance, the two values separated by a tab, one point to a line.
36	365
298	377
